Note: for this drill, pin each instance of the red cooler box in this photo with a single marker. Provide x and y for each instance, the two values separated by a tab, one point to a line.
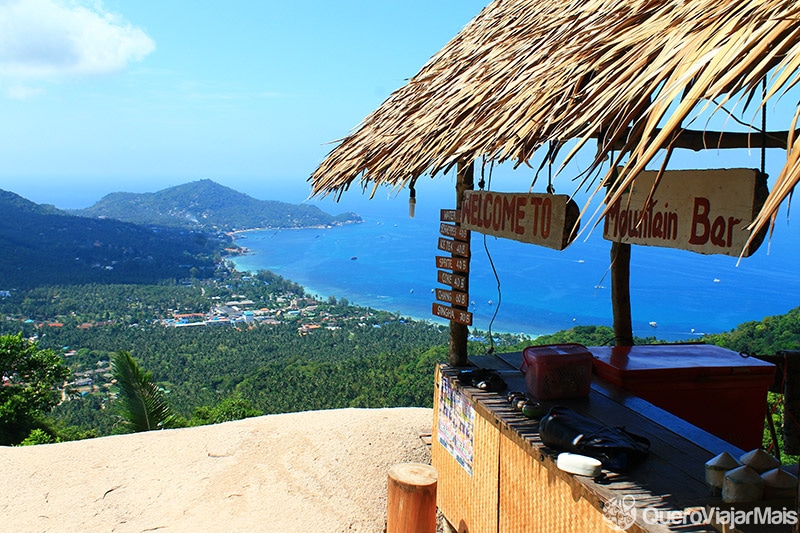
711	387
557	371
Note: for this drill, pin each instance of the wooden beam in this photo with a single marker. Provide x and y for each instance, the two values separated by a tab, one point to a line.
465	181
706	140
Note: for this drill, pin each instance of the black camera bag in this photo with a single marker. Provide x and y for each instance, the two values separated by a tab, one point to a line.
568	431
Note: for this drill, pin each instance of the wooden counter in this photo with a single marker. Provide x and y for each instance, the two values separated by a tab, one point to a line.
495	475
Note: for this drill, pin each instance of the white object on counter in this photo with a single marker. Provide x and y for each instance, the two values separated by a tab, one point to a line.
579	464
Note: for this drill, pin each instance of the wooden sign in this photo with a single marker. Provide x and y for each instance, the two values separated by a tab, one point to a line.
456	232
448	215
549	220
453	297
452	314
458	264
704	211
454	280
454	247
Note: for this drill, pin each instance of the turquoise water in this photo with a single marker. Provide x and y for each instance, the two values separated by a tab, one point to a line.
388	262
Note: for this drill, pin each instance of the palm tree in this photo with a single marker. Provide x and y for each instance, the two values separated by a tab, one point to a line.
141	404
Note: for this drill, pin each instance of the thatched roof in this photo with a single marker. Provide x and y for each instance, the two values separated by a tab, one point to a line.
629	73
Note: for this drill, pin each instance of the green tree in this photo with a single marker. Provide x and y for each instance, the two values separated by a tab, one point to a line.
38	436
30	378
232	408
141	404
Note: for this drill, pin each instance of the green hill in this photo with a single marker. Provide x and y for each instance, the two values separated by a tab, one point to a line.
208	206
44	246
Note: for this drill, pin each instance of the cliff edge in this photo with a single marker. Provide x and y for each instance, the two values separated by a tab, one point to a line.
308	471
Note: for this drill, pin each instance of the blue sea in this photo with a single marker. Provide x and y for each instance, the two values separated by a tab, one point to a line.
388	263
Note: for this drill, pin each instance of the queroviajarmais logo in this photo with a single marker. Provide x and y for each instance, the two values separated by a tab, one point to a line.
620	512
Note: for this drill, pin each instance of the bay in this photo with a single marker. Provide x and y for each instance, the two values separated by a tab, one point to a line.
388	263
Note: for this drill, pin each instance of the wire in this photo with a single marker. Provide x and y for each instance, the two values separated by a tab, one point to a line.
491	261
499	295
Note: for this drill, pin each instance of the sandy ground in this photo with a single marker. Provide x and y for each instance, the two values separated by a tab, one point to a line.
317	471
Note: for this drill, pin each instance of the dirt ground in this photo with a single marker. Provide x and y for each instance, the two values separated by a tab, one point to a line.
316	471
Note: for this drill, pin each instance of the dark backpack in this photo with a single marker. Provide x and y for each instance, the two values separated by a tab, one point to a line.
568	431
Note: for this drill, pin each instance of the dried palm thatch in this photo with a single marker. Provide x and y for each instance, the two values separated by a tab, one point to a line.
628	73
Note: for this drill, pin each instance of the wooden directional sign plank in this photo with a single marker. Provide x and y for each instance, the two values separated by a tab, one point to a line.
452	314
458	264
704	211
456	232
455	281
549	220
453	297
448	215
454	247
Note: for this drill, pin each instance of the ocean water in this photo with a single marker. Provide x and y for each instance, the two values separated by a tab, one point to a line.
388	262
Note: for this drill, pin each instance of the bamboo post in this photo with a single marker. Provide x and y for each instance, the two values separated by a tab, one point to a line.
411	499
465	181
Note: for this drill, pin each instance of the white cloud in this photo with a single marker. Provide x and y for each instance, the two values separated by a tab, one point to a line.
53	38
22	92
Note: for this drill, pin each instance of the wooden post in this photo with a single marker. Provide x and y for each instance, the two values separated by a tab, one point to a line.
465	181
791	411
791	402
620	278
621	293
411	499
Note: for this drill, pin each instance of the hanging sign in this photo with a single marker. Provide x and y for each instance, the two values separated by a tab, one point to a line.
456	232
459	264
452	297
448	215
454	280
452	314
454	247
704	211
549	220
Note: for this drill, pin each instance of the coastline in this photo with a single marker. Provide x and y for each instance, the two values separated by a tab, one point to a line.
234	233
315	293
543	292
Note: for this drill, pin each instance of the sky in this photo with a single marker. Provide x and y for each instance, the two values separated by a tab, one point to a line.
140	95
101	96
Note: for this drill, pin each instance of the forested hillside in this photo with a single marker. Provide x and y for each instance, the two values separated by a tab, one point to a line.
292	352
43	246
209	206
767	336
304	354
